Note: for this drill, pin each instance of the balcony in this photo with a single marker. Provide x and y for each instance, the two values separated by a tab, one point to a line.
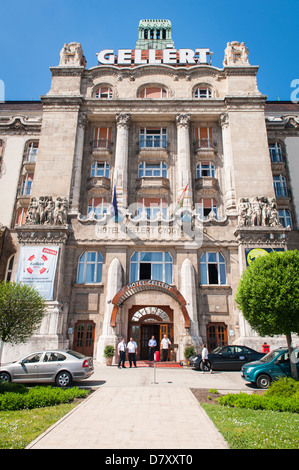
29	160
101	148
207	185
153	146
98	185
157	185
204	149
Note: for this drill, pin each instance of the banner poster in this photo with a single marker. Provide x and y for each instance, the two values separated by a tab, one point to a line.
37	267
252	253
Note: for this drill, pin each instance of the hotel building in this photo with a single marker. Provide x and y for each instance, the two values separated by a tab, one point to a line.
135	193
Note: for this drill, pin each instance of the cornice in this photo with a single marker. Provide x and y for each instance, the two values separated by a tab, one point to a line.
20	124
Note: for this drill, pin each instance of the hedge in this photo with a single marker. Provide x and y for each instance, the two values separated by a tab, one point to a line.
259	402
38	397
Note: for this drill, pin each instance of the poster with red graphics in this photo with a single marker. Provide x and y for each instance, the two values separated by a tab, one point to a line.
37	267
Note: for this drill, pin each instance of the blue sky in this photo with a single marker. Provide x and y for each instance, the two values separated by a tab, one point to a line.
33	32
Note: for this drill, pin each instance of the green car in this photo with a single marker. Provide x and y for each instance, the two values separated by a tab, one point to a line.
274	365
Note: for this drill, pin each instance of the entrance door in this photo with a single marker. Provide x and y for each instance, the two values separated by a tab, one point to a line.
84	337
147	331
216	335
168	331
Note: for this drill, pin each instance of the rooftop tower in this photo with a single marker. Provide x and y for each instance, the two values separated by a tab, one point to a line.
154	34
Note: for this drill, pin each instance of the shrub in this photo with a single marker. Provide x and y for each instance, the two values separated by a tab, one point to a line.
38	397
260	402
284	387
189	351
109	351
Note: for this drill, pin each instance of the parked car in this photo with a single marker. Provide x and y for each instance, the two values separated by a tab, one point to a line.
274	365
226	358
60	367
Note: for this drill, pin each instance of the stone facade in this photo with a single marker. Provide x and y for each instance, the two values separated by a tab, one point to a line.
202	168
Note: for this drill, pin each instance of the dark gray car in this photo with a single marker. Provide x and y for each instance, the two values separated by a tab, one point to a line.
60	367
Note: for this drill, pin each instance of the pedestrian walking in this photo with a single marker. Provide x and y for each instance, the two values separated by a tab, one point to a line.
132	350
204	358
152	347
165	343
122	353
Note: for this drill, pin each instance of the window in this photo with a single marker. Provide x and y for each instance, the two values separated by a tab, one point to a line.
102	138
153	92
205	206
9	268
104	92
26	185
152	169
21	216
203	137
54	357
31	151
280	186
98	205
203	92
100	169
90	267
275	152
205	169
155	265
285	218
212	269
153	137
152	206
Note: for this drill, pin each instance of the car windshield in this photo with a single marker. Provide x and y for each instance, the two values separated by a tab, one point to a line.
216	350
272	355
75	354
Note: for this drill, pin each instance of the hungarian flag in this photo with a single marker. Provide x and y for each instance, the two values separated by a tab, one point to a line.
180	201
114	209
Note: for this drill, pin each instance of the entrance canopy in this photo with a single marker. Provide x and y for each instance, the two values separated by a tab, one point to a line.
140	286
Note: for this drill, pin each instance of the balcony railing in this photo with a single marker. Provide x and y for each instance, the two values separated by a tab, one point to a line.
204	144
102	144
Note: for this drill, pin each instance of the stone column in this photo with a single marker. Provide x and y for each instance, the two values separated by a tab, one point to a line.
229	191
77	168
120	179
114	284
183	160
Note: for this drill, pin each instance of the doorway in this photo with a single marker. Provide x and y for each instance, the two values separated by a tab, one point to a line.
216	335
84	337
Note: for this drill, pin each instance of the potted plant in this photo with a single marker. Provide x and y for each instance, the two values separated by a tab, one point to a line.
108	354
189	351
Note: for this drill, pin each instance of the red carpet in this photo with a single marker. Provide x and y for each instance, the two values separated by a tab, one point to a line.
166	364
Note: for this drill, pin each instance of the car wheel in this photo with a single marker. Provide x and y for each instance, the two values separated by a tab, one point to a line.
205	366
5	377
263	381
63	379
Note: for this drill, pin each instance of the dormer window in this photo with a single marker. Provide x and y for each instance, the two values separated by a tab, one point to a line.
203	93
104	92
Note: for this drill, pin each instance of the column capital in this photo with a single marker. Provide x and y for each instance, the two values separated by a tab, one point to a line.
123	120
224	120
182	120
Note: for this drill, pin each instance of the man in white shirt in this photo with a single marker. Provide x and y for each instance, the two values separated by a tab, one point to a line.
165	343
122	353
152	348
204	358
132	350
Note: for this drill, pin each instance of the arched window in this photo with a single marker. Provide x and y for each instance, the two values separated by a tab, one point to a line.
30	152
205	169
203	92
212	268
156	265
104	92
90	267
153	92
9	268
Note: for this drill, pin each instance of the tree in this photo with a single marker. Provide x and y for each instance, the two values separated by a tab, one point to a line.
22	309
268	296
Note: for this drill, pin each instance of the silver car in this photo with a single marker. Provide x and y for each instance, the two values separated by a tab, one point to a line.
61	367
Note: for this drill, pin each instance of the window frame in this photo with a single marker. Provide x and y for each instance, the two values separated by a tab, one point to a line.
211	170
280	186
203	92
98	265
160	167
94	208
275	151
145	90
95	168
204	268
165	263
26	186
98	93
201	208
147	135
152	209
284	217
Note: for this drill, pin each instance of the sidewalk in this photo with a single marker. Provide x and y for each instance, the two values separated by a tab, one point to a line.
141	408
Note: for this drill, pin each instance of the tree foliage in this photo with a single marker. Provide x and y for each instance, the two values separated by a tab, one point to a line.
22	309
268	293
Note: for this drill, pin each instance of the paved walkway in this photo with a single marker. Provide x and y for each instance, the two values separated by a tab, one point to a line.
141	409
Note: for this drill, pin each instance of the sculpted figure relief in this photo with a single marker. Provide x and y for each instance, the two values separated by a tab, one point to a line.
46	211
72	55
258	212
236	53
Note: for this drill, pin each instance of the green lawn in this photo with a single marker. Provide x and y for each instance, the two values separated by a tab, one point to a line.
19	428
255	429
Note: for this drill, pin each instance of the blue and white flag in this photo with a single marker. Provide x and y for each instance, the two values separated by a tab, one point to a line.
114	209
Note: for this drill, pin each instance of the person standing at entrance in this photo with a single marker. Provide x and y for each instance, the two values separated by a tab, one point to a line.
204	358
152	347
132	350
165	343
122	353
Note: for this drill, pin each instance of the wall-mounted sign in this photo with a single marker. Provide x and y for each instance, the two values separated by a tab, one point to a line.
253	253
154	57
37	267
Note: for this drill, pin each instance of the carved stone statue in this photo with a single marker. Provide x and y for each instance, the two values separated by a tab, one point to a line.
258	212
46	211
236	53
72	55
